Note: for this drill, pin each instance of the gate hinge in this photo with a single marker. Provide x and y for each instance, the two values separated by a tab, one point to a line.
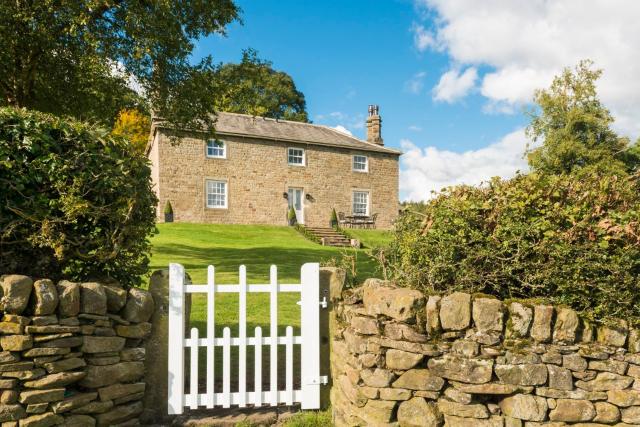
321	380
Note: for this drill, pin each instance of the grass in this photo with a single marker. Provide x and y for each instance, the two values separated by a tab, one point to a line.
226	247
370	238
310	419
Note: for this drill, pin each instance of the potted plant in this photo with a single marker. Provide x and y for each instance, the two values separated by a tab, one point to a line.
333	222
291	216
168	212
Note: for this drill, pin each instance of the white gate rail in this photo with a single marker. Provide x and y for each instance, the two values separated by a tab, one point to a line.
309	339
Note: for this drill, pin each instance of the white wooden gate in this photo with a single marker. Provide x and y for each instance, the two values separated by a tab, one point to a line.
309	393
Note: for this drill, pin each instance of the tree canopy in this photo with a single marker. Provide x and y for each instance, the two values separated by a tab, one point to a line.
134	126
575	127
81	58
254	87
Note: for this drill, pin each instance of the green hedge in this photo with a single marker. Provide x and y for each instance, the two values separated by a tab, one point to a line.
75	201
571	241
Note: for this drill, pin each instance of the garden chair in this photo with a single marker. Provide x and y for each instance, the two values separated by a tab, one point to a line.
371	221
342	220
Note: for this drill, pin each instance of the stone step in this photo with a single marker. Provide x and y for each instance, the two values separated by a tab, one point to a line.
330	236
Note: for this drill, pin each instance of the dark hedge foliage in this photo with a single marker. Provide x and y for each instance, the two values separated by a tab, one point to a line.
74	201
566	240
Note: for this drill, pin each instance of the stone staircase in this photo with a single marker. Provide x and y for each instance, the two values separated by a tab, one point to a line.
329	236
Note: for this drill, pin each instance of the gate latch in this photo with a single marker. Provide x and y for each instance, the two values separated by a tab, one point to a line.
322	303
321	380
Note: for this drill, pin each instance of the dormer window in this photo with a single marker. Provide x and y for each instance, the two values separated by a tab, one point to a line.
216	149
360	164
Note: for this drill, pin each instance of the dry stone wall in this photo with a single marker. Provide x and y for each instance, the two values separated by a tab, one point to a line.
402	358
71	352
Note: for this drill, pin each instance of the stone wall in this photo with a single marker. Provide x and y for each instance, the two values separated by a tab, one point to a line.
462	360
257	175
71	352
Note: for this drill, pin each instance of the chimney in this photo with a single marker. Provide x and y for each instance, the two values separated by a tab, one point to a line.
374	126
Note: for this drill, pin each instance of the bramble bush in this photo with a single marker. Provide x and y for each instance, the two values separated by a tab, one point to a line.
74	200
567	232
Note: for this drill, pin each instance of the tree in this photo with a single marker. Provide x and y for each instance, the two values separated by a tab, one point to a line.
133	126
81	58
575	127
254	87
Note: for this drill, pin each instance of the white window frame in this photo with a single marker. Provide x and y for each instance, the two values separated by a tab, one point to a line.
226	193
214	156
304	157
353	202
366	163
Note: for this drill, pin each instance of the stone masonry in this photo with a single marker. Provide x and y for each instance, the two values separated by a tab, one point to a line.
257	175
402	358
71	353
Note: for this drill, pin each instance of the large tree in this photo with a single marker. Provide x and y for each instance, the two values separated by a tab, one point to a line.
254	87
82	57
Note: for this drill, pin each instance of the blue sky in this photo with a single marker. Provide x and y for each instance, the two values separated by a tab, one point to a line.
451	83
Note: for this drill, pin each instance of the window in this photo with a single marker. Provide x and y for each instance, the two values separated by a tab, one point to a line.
295	156
216	194
360	164
216	148
361	203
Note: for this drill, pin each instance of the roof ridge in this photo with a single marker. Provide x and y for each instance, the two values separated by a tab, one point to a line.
305	123
268	118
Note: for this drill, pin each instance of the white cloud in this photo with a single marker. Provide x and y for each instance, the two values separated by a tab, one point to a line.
342	121
415	128
343	129
422	38
523	44
430	169
415	83
455	84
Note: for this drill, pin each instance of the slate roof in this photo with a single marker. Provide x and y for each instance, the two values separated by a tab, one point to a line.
290	131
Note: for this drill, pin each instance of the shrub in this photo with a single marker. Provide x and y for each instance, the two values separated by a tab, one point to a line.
334	219
168	209
291	216
571	241
75	201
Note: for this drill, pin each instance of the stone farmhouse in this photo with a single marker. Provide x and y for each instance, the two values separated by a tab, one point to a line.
256	168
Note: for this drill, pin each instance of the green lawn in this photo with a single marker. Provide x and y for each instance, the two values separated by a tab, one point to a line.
226	247
370	238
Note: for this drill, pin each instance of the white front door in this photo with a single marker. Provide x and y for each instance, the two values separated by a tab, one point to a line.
296	199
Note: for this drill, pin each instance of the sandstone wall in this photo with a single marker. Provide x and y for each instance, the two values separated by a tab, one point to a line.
463	360
71	352
257	175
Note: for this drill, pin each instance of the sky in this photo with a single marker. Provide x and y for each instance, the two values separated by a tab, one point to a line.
453	78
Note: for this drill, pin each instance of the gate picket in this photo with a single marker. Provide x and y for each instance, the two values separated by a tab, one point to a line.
273	360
